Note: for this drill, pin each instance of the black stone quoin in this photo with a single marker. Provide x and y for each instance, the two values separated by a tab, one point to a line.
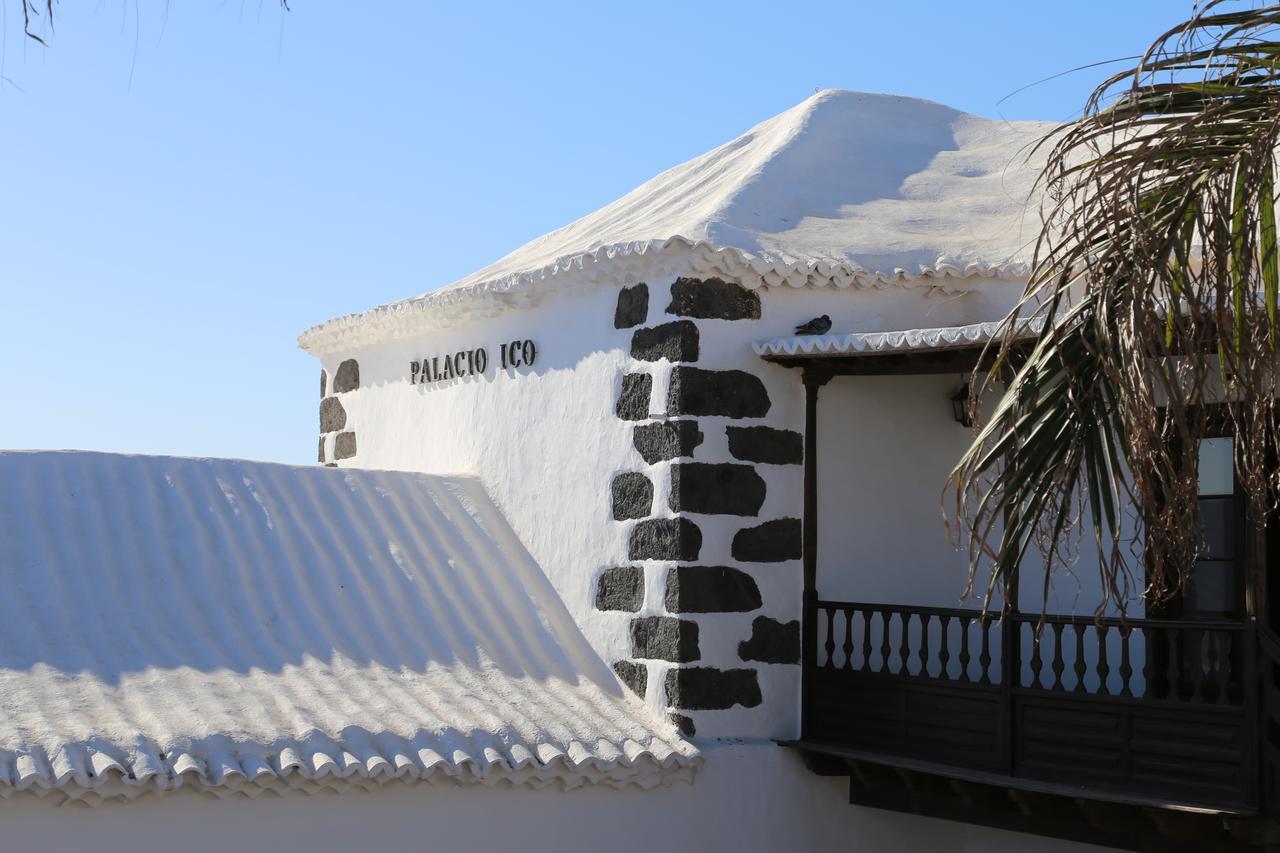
634	675
663	440
347	376
710	589
703	688
771	542
772	641
766	444
344	445
324	381
620	588
676	341
633	399
664	638
332	416
731	393
684	724
665	539
713	299
632	496
633	306
716	488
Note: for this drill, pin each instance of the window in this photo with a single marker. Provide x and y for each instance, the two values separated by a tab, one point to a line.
1214	583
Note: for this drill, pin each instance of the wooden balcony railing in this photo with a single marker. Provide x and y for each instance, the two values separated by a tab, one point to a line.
1151	708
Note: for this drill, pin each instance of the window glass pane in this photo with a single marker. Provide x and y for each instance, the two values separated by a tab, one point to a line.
1211	589
1217	476
1216	528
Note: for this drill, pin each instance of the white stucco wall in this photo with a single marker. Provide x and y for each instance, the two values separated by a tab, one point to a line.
546	444
746	798
543	440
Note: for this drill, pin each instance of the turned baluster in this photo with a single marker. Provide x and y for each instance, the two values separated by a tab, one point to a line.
924	645
1058	665
1174	667
984	657
964	647
1080	668
831	638
848	638
1126	667
944	654
1215	688
885	616
1037	660
904	649
1104	667
866	640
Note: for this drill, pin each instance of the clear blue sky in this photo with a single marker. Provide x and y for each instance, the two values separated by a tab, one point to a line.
185	187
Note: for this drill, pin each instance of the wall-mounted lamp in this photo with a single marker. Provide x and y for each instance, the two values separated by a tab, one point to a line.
960	406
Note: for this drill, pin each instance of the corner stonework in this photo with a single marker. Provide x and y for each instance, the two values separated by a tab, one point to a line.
337	443
676	637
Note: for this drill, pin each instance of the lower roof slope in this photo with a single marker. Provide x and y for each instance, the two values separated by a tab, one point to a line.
240	626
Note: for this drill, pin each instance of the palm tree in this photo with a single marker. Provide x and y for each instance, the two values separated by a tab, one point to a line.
1157	271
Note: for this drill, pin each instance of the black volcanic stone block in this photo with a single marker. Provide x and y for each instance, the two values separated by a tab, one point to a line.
633	306
344	445
332	416
664	440
713	299
704	688
633	399
347	376
676	341
719	488
731	393
710	589
772	641
766	444
684	724
676	539
632	496
771	542
634	675
664	638
620	588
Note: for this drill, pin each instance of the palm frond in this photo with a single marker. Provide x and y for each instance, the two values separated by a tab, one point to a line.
1157	268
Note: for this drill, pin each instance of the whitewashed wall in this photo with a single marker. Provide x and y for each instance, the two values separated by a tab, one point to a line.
546	443
543	440
747	798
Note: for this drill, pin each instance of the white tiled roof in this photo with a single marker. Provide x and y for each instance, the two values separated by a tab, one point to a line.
236	627
844	189
905	340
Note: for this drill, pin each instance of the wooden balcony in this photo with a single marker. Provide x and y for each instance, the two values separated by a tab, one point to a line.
1139	710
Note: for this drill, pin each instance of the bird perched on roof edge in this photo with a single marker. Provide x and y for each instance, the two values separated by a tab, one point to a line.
816	326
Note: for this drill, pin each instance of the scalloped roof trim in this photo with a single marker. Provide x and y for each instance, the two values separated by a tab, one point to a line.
85	774
904	340
625	264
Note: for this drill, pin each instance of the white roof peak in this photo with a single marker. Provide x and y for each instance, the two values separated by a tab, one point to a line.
845	188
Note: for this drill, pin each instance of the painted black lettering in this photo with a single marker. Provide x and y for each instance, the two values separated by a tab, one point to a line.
529	351
482	360
414	367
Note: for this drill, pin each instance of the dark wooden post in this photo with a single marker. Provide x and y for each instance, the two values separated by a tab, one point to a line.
1010	668
813	380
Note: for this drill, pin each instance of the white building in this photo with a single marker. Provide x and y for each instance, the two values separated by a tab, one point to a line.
583	468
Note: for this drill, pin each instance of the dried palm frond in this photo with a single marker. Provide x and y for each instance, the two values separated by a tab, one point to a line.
1157	267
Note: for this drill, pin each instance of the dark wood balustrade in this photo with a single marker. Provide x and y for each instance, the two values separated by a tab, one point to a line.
1146	707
